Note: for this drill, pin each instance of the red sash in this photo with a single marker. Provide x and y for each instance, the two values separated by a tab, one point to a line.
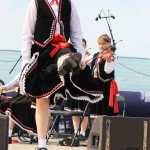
59	43
112	96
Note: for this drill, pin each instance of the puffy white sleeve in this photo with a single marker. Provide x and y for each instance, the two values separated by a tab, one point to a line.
76	31
109	67
28	32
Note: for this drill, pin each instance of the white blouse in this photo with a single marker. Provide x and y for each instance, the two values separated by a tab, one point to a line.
29	27
109	67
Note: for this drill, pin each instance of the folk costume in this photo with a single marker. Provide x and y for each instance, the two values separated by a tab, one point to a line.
103	73
51	26
18	108
20	111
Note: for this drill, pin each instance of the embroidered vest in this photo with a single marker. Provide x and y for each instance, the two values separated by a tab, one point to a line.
46	22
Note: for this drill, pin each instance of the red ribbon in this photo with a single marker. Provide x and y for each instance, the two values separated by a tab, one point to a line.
52	2
112	96
59	43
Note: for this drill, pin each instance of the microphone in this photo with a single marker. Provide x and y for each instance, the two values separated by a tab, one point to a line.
112	16
98	16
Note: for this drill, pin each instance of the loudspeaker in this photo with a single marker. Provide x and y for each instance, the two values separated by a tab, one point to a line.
3	132
119	133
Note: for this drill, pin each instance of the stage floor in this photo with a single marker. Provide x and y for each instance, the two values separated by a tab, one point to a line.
52	145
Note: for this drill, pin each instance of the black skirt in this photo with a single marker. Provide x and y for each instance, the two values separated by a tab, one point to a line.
20	111
74	105
37	82
102	107
3	106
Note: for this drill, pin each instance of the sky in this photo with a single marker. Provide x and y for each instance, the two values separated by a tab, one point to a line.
131	24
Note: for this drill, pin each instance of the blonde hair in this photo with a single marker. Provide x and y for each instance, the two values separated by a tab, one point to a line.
104	38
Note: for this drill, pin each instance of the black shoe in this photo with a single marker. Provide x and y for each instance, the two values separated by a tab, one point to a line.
34	139
82	137
70	63
68	142
63	142
76	142
41	148
9	140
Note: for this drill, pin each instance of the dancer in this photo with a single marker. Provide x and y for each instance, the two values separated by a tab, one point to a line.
51	65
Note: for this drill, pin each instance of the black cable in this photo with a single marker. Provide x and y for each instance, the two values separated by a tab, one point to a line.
133	70
15	64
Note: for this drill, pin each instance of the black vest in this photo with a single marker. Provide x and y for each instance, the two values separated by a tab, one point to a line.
46	22
102	74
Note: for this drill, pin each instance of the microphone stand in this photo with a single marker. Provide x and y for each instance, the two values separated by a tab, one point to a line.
110	30
15	65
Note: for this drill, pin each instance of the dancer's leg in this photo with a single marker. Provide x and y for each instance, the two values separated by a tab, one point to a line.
76	121
42	120
84	126
11	126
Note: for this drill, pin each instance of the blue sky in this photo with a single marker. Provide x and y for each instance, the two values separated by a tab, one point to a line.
131	24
